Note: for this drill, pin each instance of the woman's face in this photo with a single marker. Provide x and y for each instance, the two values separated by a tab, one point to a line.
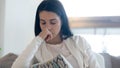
51	21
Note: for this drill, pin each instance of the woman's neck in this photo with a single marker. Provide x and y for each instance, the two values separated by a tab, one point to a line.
55	40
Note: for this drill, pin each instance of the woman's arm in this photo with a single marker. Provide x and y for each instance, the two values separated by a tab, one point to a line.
91	58
25	58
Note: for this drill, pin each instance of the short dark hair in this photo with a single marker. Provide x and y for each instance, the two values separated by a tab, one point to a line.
56	7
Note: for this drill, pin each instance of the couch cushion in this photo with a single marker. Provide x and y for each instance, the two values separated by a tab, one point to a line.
115	62
7	60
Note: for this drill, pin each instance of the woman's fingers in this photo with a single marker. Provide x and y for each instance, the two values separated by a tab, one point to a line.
49	36
46	34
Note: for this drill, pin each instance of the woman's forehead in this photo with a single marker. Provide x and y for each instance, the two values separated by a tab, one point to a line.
47	14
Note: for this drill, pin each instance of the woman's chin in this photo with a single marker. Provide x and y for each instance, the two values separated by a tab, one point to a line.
48	41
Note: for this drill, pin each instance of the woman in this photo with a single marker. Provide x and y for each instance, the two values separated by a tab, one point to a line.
53	37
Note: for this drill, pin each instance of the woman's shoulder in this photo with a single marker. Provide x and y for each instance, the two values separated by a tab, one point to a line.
80	41
76	37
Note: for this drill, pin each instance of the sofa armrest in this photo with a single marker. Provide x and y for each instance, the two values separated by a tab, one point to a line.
7	60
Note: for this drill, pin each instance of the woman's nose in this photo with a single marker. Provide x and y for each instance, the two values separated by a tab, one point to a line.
48	26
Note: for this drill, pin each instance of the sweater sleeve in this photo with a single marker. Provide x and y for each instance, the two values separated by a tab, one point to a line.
25	58
91	58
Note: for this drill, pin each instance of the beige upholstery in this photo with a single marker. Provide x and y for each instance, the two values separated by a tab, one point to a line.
7	60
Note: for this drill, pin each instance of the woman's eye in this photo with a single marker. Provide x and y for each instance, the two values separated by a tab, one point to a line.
43	23
53	23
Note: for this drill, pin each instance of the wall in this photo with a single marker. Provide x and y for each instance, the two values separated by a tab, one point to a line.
2	14
19	24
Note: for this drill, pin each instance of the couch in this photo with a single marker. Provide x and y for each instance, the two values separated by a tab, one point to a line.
7	60
110	61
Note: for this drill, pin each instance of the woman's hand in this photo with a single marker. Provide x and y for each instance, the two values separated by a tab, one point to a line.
46	34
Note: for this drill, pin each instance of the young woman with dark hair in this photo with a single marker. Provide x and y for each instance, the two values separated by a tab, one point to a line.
53	37
57	8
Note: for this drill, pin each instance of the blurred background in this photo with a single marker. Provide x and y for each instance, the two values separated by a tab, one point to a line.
98	21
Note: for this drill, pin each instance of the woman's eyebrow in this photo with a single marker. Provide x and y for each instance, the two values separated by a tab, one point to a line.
52	19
